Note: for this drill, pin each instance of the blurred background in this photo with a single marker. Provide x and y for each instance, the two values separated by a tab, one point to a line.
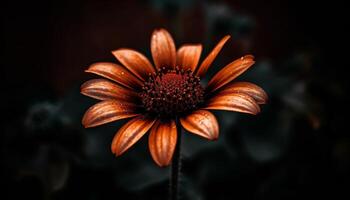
298	147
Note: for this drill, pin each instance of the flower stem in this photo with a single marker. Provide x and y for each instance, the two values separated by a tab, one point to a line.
176	166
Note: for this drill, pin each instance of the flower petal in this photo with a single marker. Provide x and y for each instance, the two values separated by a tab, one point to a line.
210	58
202	123
108	111
188	56
130	133
256	92
238	102
136	62
230	72
105	90
115	73
163	49
162	142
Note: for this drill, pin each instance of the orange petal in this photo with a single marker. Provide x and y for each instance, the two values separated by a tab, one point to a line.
130	133
202	123
210	58
136	62
256	92
238	102
230	72
107	111
105	90
115	73
188	56
163	49
162	142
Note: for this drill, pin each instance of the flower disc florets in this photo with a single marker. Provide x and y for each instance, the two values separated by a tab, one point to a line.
169	93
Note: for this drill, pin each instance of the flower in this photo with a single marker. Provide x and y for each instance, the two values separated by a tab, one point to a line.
157	97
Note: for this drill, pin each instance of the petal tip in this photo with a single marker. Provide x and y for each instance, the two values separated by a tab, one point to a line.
202	123
84	123
264	101
249	56
117	154
215	138
226	37
160	29
255	112
116	151
117	51
266	98
163	165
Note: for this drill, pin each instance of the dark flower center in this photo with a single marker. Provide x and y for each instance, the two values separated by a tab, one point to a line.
169	93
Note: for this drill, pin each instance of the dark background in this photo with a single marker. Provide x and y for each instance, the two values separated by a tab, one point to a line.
298	147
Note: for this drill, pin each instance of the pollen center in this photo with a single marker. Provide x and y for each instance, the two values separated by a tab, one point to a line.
169	93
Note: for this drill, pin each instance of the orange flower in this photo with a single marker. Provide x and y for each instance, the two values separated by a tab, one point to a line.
158	96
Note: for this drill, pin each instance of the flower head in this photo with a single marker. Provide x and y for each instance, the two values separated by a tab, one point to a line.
156	96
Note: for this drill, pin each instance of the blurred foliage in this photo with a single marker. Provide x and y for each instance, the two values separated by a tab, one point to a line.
296	147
